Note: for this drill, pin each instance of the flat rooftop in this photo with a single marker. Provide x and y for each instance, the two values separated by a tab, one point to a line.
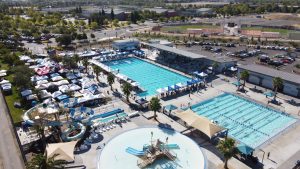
189	54
291	77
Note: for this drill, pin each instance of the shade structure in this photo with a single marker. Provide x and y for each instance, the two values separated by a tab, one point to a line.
181	85
3	82
202	74
57	78
161	90
170	107
233	69
65	151
200	123
245	149
237	83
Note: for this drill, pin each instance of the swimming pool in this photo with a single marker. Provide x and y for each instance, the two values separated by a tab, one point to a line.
151	77
248	122
114	155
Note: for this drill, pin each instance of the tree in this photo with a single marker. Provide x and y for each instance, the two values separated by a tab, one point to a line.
228	149
76	58
244	76
155	105
92	35
40	161
277	84
94	25
64	39
22	75
97	71
110	80
70	63
127	88
112	14
85	63
215	66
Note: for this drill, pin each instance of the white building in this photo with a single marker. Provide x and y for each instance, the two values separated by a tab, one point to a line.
263	76
126	44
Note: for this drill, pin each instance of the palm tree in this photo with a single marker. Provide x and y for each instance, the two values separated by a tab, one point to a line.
40	161
228	149
110	80
85	63
76	58
97	71
215	66
127	88
244	77
277	84
155	105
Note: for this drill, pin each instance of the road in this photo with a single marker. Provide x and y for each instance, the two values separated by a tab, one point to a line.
10	154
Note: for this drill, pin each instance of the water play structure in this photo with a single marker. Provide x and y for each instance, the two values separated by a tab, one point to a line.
151	148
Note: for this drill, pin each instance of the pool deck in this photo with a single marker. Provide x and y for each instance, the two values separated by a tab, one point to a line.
284	147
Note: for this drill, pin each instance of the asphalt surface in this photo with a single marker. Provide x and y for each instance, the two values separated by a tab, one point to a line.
10	154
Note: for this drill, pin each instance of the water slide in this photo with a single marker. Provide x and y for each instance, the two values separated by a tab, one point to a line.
171	146
134	151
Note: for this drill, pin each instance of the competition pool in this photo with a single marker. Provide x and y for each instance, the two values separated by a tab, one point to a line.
150	77
248	122
115	156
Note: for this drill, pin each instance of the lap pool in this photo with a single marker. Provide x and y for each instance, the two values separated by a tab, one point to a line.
248	122
151	77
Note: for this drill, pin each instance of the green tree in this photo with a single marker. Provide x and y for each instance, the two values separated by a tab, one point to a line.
94	25
85	63
97	71
76	58
112	14
110	80
155	105
40	161
22	75
127	88
65	40
244	76
228	149
277	84
215	66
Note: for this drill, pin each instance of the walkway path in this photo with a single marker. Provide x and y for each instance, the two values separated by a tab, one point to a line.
10	155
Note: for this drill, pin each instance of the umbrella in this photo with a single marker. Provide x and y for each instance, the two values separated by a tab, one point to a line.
245	149
233	69
170	107
202	74
161	90
180	85
170	88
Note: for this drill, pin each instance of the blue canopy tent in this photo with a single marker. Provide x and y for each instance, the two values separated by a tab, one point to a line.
176	87
194	81
170	89
189	83
245	149
69	102
62	97
54	75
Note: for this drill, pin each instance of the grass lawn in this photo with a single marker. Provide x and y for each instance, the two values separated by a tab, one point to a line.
16	113
182	28
281	31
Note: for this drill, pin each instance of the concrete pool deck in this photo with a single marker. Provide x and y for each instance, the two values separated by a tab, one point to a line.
282	148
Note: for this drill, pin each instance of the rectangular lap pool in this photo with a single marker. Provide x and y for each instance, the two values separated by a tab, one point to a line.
151	77
248	122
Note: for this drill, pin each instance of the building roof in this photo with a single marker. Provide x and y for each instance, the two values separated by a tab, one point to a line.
192	55
177	51
272	72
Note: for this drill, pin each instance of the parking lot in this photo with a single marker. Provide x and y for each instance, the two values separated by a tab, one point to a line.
278	59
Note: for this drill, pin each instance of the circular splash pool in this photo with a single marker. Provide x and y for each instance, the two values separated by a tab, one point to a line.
123	151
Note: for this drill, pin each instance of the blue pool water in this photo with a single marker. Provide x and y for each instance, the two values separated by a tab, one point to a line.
248	122
151	77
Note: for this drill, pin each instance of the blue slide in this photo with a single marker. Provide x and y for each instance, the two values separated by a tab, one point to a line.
134	151
172	146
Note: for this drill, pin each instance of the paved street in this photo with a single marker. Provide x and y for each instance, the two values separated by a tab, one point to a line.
10	155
